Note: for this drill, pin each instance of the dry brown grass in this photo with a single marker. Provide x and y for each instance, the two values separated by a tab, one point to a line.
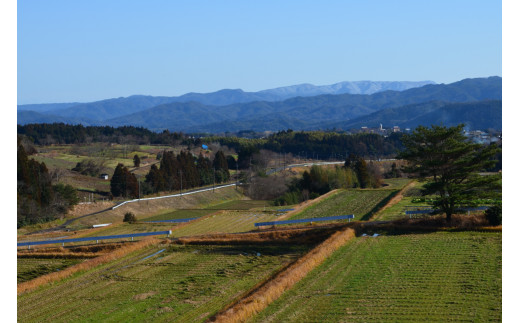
56	276
270	291
140	297
304	235
459	221
56	255
90	251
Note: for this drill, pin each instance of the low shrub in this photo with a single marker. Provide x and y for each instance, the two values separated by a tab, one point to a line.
129	217
494	215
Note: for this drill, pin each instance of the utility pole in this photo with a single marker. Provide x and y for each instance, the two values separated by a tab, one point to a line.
213	179
180	171
236	184
139	192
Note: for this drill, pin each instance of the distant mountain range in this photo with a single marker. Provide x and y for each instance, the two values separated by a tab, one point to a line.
344	105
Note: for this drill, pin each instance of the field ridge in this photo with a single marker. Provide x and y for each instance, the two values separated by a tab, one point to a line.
274	288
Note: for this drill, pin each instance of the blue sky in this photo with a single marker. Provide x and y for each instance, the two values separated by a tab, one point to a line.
79	51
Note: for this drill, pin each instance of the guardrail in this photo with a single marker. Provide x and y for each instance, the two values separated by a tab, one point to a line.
119	236
327	218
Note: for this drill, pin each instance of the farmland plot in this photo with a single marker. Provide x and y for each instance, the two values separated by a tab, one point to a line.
179	284
127	228
398	210
361	203
396	183
225	222
416	277
29	268
195	213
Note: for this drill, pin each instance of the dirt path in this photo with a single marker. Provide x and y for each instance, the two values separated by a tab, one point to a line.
396	199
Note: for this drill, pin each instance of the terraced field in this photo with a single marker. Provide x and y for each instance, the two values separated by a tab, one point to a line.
195	213
225	222
125	228
361	203
447	276
396	183
179	284
397	210
29	268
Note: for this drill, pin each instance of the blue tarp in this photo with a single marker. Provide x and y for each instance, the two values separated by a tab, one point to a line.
328	218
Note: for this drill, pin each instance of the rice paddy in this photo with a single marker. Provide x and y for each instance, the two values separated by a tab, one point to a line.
443	276
160	283
361	203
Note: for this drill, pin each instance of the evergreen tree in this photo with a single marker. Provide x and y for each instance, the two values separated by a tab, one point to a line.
362	173
205	171
220	166
156	179
131	188
137	161
117	182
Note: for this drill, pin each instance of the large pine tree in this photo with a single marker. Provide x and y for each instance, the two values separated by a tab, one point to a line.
450	164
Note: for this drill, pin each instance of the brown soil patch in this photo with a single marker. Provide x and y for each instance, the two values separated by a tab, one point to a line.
82	209
143	296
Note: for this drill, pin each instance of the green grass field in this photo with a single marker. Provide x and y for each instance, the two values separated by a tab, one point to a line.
181	284
445	276
397	210
29	268
396	183
227	222
361	203
126	228
212	208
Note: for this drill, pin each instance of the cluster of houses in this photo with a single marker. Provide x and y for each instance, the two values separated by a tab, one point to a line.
383	131
477	136
483	137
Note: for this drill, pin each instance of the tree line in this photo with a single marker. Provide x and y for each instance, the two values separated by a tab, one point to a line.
309	144
60	133
175	172
355	173
38	200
